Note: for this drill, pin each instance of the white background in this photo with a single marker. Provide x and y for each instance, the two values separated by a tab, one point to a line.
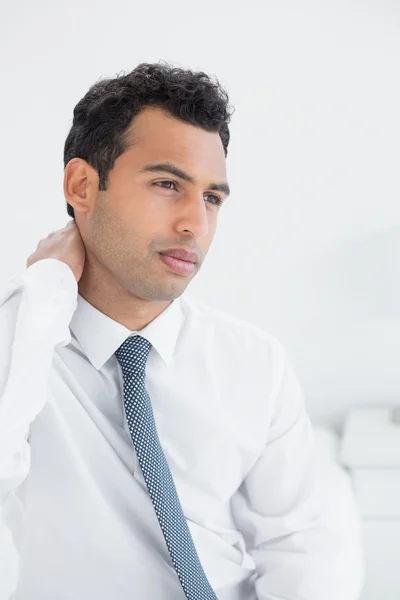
308	244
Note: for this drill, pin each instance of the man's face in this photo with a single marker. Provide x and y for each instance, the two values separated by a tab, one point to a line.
146	212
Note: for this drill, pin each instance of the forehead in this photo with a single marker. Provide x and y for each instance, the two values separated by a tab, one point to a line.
156	136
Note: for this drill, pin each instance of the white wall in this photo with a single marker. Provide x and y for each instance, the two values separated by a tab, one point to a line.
308	245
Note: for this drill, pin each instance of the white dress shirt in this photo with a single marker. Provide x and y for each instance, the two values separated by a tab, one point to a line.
76	519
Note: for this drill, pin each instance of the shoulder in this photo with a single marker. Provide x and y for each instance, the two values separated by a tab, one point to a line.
228	328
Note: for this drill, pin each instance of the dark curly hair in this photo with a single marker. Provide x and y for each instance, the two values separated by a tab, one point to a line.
99	132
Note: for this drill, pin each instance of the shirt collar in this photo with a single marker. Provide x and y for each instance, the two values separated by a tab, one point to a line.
100	336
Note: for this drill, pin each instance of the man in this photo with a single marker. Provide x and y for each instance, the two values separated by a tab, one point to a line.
152	447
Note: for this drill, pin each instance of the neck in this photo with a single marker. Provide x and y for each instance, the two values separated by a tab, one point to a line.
104	293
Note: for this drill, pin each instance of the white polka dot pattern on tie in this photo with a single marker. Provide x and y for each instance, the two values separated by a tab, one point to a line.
132	356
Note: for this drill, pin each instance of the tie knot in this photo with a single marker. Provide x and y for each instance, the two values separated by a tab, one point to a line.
133	353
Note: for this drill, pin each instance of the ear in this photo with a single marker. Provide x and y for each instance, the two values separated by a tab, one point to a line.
81	185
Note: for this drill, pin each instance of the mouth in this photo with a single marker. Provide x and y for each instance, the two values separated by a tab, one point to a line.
182	267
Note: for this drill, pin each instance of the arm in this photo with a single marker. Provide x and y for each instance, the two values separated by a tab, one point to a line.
277	508
35	311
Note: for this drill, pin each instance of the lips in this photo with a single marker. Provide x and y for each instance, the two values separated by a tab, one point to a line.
179	266
191	257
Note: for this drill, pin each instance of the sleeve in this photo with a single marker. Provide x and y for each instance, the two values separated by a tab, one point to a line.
35	311
278	507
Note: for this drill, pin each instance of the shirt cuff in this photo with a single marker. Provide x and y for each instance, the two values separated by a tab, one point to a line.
49	299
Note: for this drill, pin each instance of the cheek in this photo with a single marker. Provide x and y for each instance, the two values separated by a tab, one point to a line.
141	202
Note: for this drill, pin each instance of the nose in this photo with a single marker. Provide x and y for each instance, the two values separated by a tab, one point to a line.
192	215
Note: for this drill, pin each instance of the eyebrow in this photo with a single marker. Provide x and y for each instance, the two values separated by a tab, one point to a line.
170	168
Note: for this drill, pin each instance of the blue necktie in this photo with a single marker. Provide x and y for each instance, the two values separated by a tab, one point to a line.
132	356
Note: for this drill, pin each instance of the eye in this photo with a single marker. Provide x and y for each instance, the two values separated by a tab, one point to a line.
166	181
217	200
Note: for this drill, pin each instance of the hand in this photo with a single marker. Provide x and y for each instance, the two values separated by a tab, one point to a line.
65	245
